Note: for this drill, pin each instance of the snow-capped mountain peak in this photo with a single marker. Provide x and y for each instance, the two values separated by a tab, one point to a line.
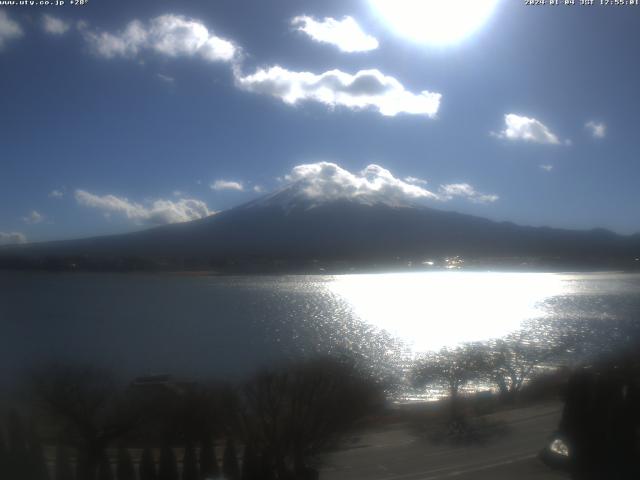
316	184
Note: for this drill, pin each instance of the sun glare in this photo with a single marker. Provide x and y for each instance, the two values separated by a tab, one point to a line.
435	22
431	310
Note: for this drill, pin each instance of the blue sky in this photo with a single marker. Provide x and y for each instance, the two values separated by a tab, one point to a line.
115	116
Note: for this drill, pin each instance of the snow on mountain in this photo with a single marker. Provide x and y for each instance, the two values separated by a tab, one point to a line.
314	184
311	185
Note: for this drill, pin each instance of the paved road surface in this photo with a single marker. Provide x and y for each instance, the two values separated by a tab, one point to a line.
397	454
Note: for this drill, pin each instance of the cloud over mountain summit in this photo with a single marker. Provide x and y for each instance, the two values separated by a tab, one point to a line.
327	181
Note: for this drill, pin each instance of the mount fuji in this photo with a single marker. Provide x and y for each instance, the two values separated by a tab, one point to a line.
317	225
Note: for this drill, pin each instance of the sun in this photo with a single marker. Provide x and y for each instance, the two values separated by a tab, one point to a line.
435	22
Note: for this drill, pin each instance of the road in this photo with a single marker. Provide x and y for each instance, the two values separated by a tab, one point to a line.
396	453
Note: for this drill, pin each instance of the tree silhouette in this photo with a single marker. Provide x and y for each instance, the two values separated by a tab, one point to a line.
168	469
208	462
250	464
104	469
189	463
63	469
180	411
37	464
195	411
89	404
23	457
3	454
86	468
230	467
124	468
451	369
514	360
292	415
147	465
18	461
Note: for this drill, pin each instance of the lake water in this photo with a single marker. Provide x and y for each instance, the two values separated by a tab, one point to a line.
208	326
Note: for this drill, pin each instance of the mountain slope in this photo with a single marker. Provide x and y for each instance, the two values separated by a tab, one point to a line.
288	229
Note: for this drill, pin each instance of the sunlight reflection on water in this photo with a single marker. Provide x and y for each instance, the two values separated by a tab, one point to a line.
430	310
233	325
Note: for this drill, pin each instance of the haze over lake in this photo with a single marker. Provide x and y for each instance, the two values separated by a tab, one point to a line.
208	326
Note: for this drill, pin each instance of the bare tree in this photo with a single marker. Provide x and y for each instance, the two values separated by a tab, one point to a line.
4	455
168	468
292	415
37	462
208	461
147	467
125	469
193	413
104	468
451	369
17	458
189	463
63	470
91	410
515	359
250	464
23	457
230	467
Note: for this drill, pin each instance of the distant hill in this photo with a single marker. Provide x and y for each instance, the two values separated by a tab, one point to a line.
291	231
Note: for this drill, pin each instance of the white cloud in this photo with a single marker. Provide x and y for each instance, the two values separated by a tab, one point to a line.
365	89
175	36
12	238
527	129
258	189
56	193
166	78
464	190
33	218
126	43
227	185
328	181
169	35
158	212
415	180
546	168
345	34
597	129
8	29
54	25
